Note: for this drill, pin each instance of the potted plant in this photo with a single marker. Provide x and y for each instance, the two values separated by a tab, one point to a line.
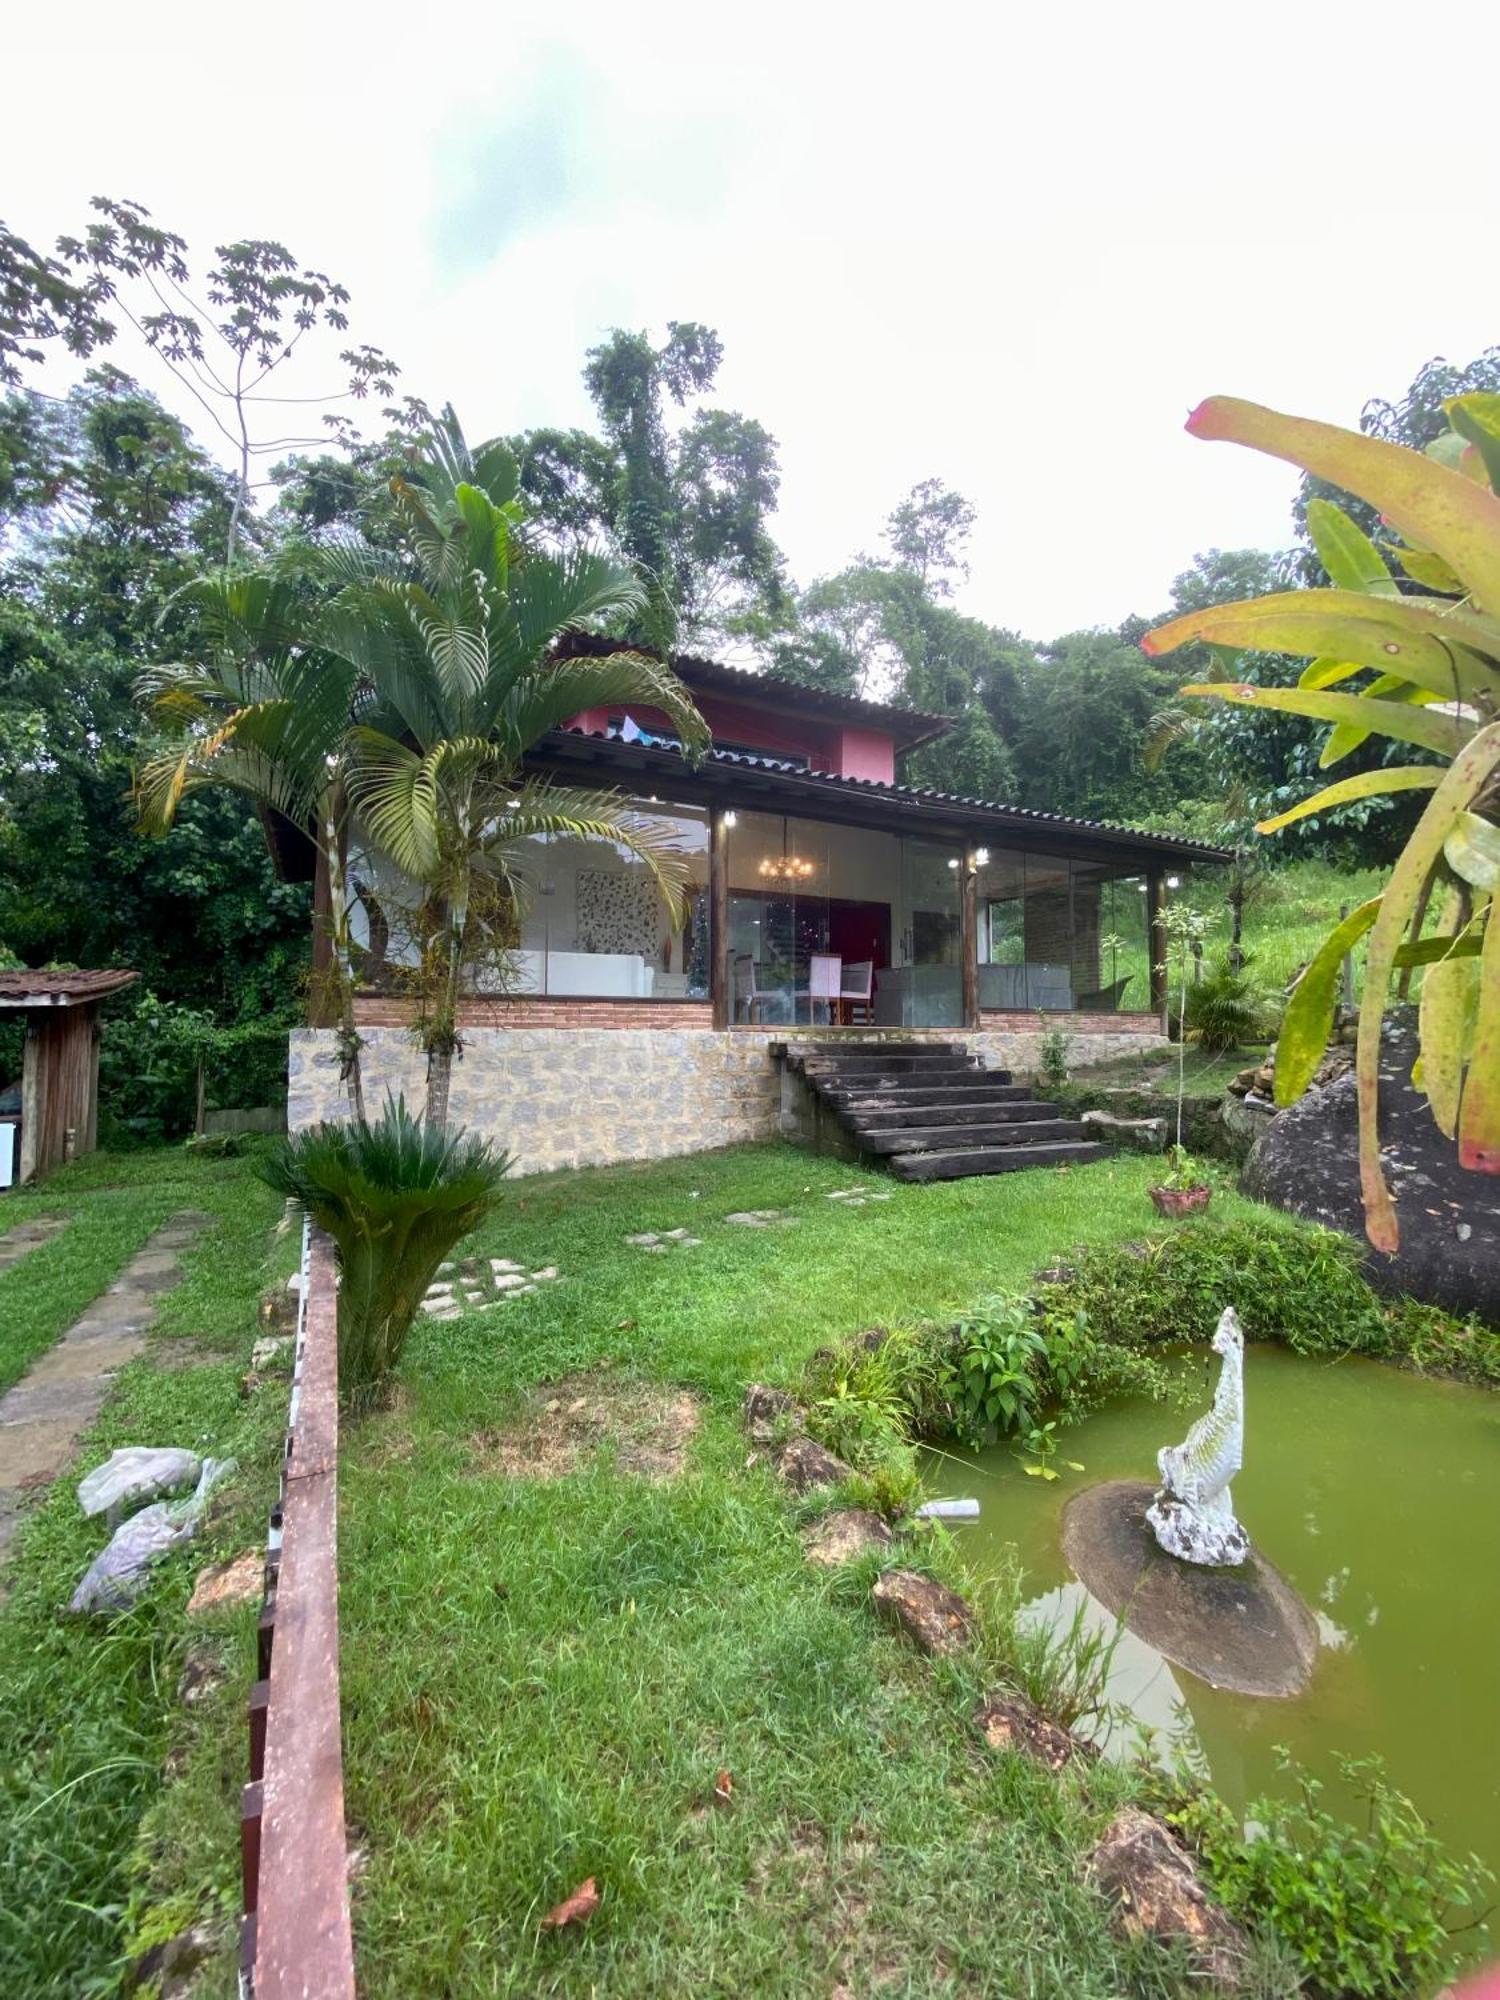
1184	1190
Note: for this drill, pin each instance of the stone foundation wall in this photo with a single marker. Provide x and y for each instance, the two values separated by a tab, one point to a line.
587	1096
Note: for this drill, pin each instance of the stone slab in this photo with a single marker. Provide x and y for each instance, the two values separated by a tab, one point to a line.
1243	1629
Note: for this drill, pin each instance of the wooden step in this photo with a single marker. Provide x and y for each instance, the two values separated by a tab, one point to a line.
953	1166
981	1096
890	1118
940	1138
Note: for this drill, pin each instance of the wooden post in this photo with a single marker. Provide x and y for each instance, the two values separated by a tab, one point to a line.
1156	903
321	1012
968	941
198	1106
718	919
1346	969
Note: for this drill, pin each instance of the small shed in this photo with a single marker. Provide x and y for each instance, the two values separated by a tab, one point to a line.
60	1067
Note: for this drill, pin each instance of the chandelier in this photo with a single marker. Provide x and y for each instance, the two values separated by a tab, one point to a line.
790	868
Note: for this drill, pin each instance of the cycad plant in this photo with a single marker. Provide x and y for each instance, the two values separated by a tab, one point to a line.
452	641
1424	670
395	1196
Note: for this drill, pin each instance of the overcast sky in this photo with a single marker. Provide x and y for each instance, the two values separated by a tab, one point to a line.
1008	246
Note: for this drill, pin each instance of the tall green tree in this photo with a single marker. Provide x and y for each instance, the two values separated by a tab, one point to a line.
687	504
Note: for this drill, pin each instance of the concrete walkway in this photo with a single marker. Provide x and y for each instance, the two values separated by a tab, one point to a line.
48	1410
28	1236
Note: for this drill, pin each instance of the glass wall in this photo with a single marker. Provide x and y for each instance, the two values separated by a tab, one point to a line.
834	924
595	925
1060	936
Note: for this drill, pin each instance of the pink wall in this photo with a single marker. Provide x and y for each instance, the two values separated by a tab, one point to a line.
846	751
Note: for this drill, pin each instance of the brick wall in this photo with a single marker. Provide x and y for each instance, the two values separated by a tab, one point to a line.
382	1010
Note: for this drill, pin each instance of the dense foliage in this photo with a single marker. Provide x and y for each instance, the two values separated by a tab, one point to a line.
1420	668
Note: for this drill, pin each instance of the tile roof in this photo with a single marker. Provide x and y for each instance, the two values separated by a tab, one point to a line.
956	802
60	989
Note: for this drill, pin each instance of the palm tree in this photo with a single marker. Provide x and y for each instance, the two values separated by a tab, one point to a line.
268	715
450	644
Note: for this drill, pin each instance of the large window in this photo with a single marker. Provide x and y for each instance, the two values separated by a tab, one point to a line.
1060	936
833	924
595	925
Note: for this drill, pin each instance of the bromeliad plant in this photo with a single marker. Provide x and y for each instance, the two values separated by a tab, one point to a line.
1424	670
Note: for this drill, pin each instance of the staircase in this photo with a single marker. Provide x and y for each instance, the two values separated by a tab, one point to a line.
930	1113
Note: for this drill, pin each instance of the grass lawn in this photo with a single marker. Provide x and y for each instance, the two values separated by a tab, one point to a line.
543	1679
99	1844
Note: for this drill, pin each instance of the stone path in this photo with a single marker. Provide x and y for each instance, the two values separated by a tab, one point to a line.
666	1239
48	1410
858	1197
479	1284
28	1236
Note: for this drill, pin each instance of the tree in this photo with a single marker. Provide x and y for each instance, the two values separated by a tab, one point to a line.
688	507
927	534
111	510
262	306
1435	662
454	642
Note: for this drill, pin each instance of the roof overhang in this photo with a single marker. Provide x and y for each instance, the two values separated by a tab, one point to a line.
731	778
28	992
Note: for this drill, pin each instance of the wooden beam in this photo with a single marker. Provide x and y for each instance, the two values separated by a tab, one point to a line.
968	942
718	918
1156	903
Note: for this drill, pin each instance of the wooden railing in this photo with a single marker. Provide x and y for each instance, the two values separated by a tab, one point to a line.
296	1936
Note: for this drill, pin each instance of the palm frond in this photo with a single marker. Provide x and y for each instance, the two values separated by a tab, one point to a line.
549	696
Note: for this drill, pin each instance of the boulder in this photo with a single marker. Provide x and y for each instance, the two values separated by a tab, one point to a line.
845	1533
805	1464
766	1410
1140	1135
1307	1162
1152	1882
934	1618
1010	1722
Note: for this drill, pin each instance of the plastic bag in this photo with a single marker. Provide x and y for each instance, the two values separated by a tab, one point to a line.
136	1472
117	1575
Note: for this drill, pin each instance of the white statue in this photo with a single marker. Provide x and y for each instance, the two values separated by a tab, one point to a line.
1193	1516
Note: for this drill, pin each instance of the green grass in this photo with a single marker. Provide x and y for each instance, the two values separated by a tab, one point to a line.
542	1681
95	1844
1291	910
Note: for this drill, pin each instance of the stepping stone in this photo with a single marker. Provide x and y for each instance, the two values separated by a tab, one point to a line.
550	1271
762	1218
28	1236
647	1241
237	1582
499	1264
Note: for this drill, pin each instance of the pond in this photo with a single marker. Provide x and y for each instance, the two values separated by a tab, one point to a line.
1377	1494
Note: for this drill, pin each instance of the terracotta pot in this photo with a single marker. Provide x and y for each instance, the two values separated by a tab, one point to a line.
1180	1201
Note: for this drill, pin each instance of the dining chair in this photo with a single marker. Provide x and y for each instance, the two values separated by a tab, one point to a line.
747	995
823	974
856	990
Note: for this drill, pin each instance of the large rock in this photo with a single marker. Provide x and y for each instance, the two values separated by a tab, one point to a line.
844	1534
1244	1629
805	1464
1307	1162
767	1412
1152	1884
1010	1722
1141	1135
934	1618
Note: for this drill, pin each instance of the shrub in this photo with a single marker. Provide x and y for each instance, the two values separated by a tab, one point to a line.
1053	1058
1368	1913
1222	1011
395	1196
1288	1282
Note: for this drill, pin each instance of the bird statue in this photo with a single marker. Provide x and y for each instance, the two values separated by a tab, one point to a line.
1192	1515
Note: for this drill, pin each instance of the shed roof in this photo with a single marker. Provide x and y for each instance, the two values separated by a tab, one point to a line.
22	989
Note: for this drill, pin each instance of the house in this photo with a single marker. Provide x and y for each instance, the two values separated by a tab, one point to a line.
822	894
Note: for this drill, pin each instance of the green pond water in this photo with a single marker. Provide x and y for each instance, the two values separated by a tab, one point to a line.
1377	1494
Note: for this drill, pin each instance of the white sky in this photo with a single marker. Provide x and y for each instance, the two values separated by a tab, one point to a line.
1009	246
